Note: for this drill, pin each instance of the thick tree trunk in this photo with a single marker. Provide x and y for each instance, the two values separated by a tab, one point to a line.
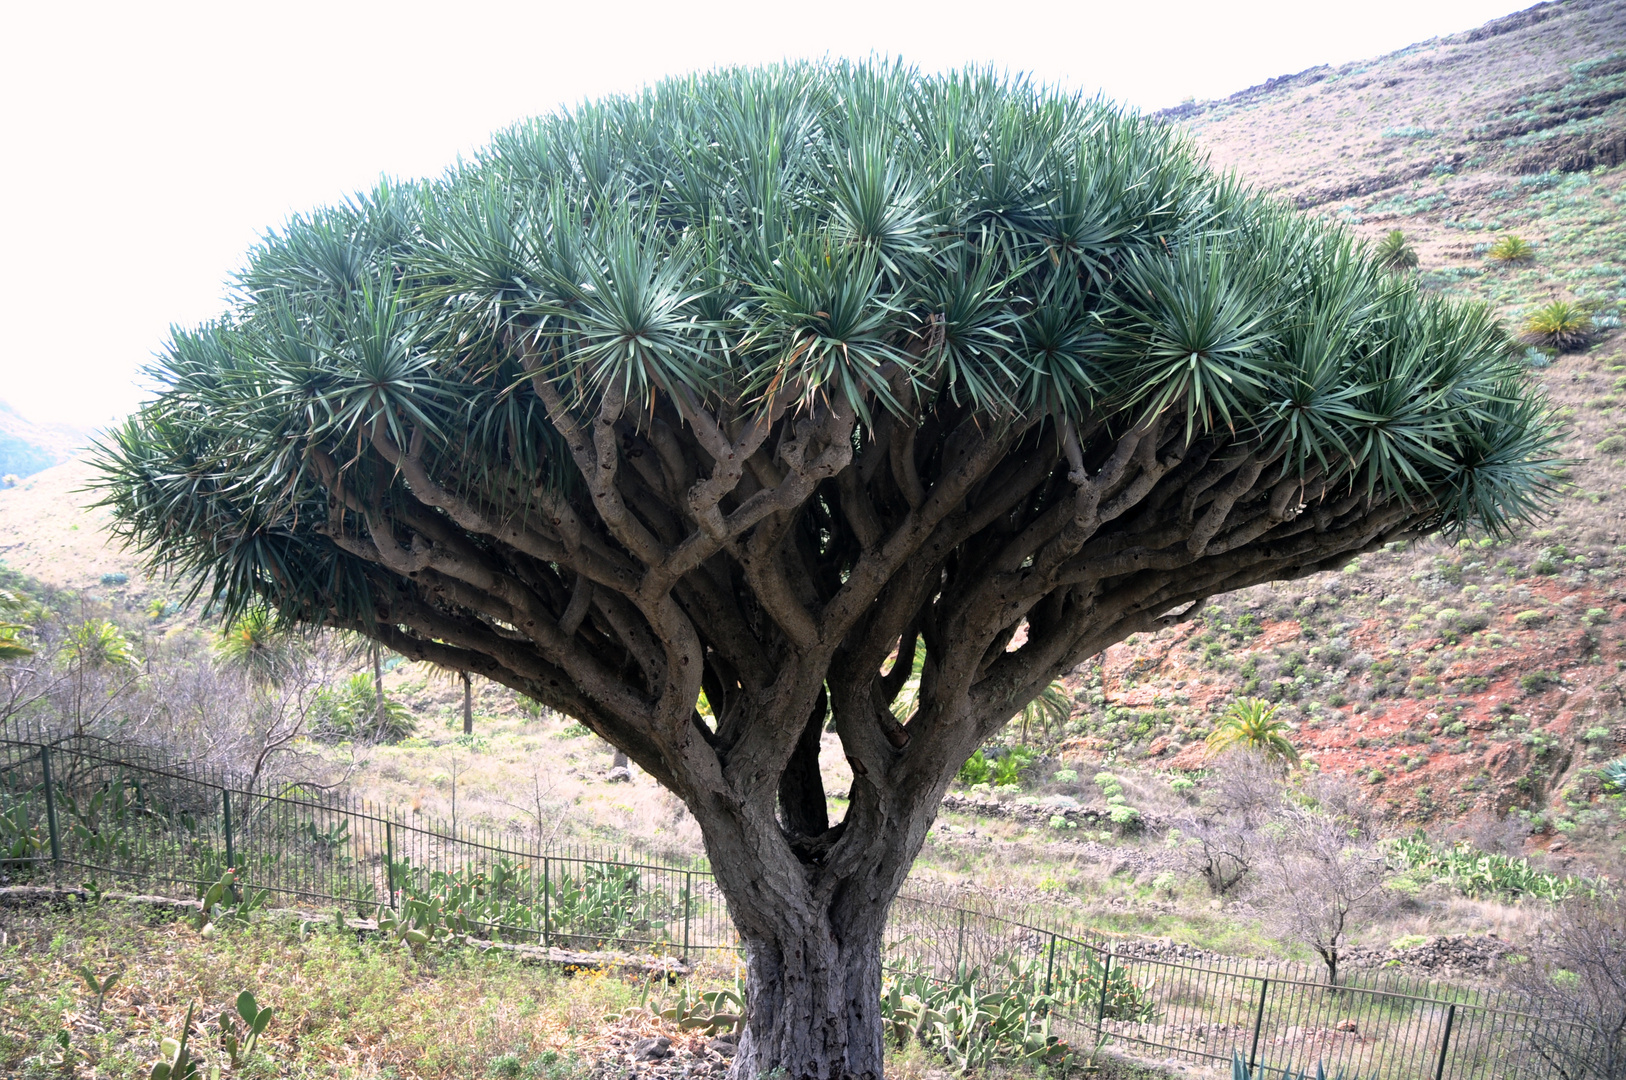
810	901
815	994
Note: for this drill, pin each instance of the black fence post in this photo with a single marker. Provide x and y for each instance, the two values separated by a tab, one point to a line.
225	818
1258	1023
389	863
1101	1002
547	903
959	944
688	880
50	809
1050	965
1445	1041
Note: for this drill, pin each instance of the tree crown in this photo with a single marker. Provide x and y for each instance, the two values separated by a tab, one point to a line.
764	286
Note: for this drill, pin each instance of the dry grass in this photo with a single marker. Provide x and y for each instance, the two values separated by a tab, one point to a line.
342	1007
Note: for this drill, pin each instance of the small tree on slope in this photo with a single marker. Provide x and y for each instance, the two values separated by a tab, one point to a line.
748	382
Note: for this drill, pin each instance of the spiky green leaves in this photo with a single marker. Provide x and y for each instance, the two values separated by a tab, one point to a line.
795	235
1193	335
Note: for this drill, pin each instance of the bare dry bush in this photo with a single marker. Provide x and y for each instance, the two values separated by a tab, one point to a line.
1499	835
1223	833
1577	972
170	696
1321	872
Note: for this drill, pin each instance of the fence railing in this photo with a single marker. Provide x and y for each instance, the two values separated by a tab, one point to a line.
76	809
81	811
1276	1015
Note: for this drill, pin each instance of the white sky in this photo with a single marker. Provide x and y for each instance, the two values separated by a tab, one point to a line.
146	145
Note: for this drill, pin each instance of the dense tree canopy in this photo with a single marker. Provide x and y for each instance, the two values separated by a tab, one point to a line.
767	383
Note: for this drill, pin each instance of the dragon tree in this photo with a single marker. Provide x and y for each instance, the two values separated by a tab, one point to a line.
767	385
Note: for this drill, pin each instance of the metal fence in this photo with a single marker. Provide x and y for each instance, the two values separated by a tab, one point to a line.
82	809
1275	1015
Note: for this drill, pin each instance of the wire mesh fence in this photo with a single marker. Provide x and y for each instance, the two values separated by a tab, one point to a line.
83	810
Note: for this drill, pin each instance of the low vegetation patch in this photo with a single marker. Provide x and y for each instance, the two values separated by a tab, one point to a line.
337	1004
1561	324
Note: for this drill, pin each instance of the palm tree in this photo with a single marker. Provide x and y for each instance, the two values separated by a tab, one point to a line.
96	645
1394	252
259	644
466	682
1054	705
1251	724
11	644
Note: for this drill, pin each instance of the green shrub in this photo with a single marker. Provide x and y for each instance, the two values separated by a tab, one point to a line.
98	644
1462	622
977	770
1423	686
1560	324
351	711
1009	766
1512	249
1614	444
1538	681
1531	618
1395	253
1596	616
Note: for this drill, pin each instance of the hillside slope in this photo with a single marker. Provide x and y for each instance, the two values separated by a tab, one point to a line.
1457	674
50	532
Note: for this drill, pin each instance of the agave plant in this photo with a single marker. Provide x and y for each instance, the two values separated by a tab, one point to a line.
1252	724
1512	249
1561	324
1614	776
1395	252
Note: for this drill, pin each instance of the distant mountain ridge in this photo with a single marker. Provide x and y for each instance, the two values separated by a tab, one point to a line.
27	447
